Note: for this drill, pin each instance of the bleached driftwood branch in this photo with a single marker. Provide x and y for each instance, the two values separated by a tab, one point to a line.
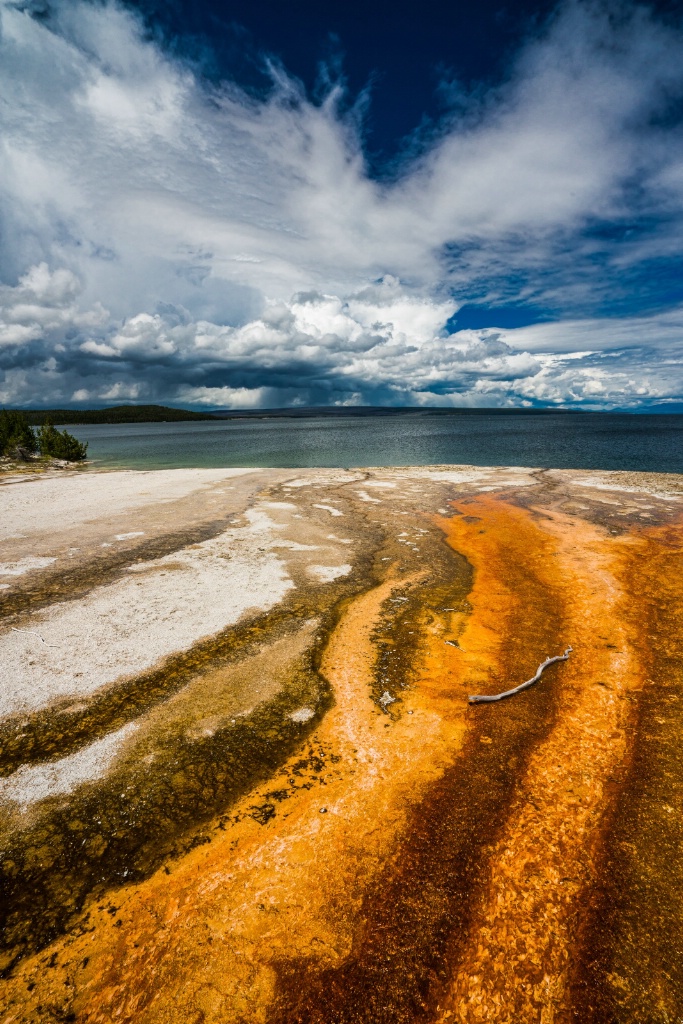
522	686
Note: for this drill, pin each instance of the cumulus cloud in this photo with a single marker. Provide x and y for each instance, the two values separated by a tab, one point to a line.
166	239
44	306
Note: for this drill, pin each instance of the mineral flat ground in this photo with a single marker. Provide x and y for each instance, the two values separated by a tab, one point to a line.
240	779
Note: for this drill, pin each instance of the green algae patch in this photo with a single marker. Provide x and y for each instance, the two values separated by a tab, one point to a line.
184	770
407	615
211	723
61	729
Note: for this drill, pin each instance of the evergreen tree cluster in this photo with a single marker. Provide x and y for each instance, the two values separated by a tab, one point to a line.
19	440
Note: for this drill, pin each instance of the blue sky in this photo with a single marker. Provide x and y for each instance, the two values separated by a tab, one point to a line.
224	205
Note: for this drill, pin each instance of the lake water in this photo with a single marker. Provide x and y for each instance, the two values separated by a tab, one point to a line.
582	441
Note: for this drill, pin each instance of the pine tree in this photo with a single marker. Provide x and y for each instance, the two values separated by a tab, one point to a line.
59	444
16	436
48	439
18	440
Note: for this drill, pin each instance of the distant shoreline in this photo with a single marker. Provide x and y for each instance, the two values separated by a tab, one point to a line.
168	414
306	439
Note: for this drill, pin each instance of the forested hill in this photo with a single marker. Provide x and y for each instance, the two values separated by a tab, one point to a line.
165	414
117	414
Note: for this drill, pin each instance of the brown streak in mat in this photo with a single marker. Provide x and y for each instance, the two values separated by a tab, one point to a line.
630	965
516	965
408	917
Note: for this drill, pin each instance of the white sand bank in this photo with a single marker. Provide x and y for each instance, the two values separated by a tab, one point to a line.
32	783
37	504
23	565
163	607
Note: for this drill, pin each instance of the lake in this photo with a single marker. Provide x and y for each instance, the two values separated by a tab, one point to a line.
651	443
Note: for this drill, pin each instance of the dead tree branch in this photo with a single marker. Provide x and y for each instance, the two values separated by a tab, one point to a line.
522	686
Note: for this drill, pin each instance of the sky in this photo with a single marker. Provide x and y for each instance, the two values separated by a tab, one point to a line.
239	205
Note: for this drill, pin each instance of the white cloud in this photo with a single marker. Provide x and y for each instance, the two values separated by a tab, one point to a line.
167	240
225	398
43	305
118	392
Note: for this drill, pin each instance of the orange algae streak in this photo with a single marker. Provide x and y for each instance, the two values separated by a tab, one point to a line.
203	942
630	966
518	958
507	549
412	922
434	866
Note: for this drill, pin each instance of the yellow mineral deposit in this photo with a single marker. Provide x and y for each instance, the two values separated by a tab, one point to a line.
304	820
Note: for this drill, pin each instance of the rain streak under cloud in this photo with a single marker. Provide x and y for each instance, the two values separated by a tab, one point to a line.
167	238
